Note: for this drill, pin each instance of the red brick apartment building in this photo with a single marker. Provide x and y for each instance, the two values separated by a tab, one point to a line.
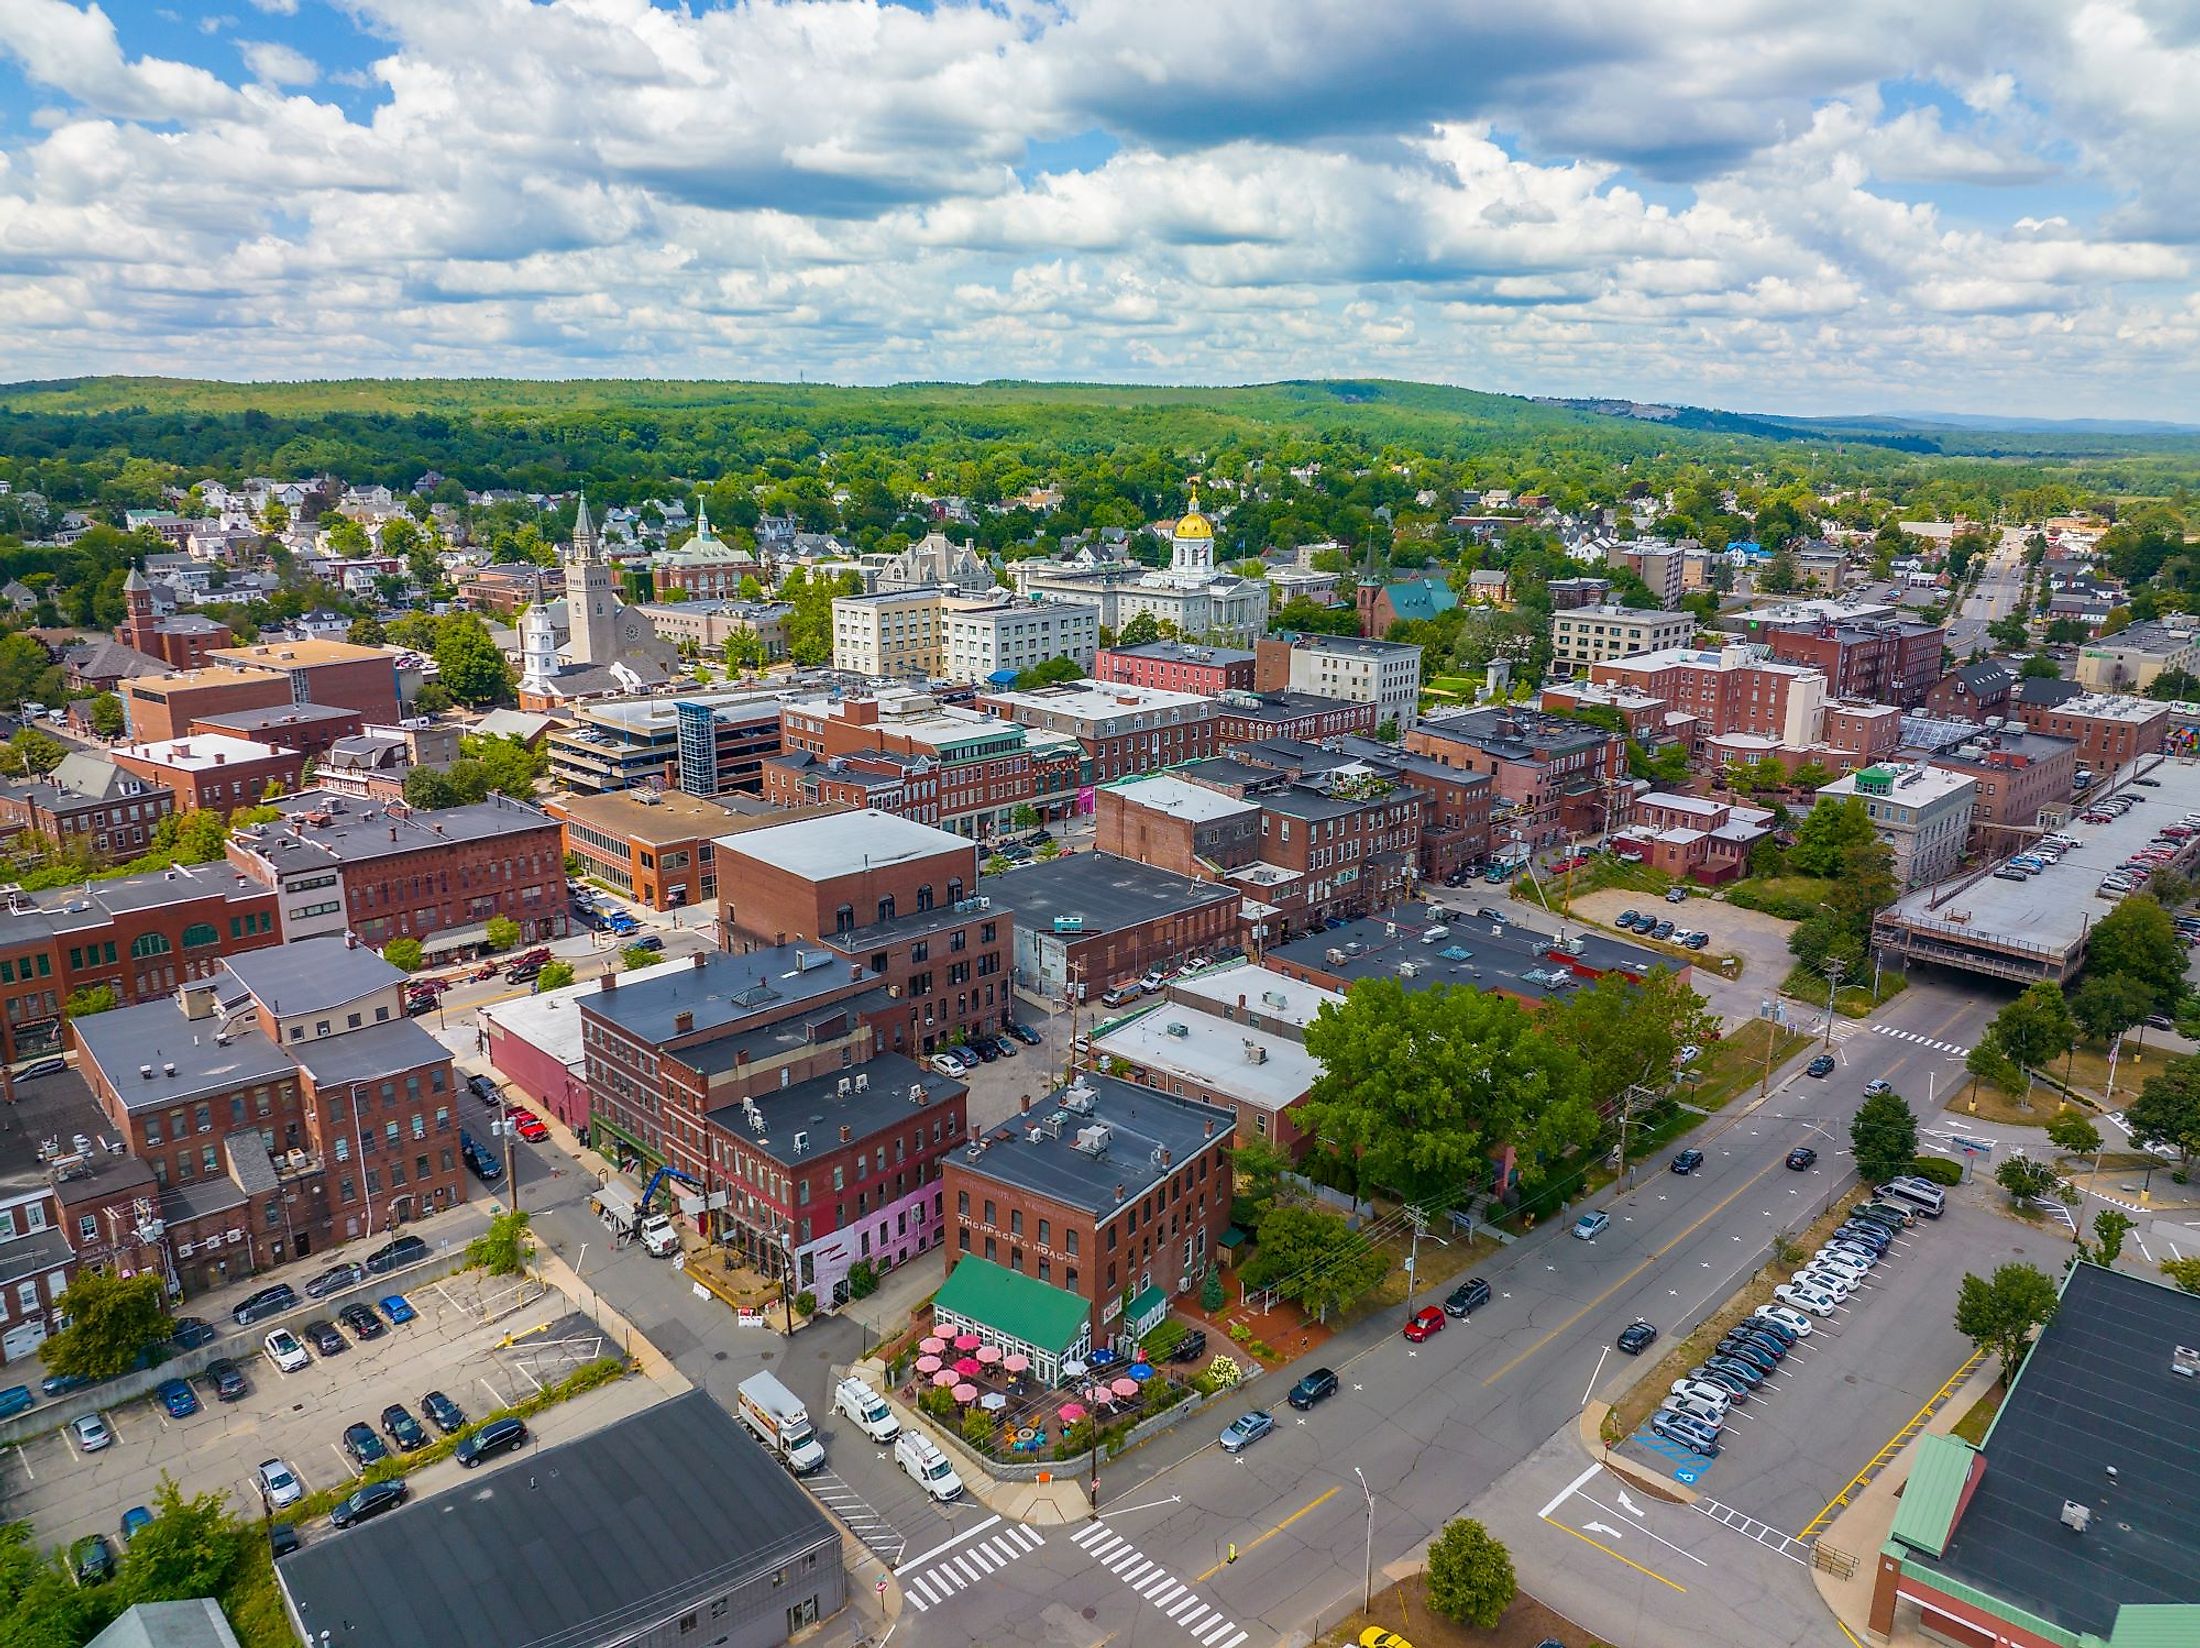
943	765
384	871
763	1078
261	677
86	805
908	786
310	729
282	1107
1246	717
1551	779
899	898
1728	691
2018	773
1889	660
1455	820
1177	666
1124	731
2109	729
1103	1189
214	770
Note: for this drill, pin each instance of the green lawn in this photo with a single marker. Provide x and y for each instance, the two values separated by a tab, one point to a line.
1737	1062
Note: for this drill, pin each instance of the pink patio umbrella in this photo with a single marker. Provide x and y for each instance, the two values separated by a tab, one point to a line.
966	1394
1015	1364
1071	1413
967	1341
989	1354
1100	1396
967	1368
928	1364
932	1346
944	1378
1125	1387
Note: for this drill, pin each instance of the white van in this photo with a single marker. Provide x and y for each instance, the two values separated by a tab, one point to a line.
927	1466
859	1402
1922	1194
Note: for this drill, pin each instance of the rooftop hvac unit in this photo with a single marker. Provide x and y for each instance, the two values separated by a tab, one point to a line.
916	1092
863	1081
2076	1517
1275	998
1093	1140
1333	955
843	1087
1178	1030
801	1143
1255	1053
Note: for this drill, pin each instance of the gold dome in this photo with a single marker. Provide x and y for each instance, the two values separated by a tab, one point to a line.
1192	524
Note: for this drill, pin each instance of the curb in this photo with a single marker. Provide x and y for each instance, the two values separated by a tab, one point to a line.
1590	1425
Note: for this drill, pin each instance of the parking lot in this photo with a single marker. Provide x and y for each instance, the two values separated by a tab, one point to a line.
1859	1377
455	1344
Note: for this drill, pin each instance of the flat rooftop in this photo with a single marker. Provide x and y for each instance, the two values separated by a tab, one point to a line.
1140	1123
185	1057
286	655
803	1122
201	752
346	830
719	989
1474	951
1214	1052
572	1544
818	849
312	976
275	718
1108	892
1194	803
1099	701
1267	993
2095	1392
1181	652
672	816
2047	916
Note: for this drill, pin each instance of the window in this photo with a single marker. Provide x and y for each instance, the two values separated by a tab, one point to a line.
150	944
962	1203
198	933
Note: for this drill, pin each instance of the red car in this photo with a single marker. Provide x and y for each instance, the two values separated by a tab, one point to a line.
1423	1322
1572	861
527	1125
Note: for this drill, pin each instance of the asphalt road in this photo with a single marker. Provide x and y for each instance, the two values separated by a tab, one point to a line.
1995	596
1431	1427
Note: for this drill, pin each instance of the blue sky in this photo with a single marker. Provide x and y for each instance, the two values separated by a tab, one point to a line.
1983	205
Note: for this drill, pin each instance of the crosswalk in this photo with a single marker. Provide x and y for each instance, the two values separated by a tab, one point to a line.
1922	1041
864	1522
1207	1626
969	1565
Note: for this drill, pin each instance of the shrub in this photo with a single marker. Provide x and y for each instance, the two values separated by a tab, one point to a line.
938	1403
1241	1333
1938	1170
1077	1439
862	1279
979	1430
805	1303
1210	1291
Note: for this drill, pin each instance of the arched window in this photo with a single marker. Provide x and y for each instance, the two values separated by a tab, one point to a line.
886	908
844	919
924	896
198	933
150	944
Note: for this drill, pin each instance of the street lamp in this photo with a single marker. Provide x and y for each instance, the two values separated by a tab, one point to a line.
1835	967
1367	1587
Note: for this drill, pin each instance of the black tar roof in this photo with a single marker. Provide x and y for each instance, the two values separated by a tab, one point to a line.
722	989
819	1110
1498	955
312	977
1141	1121
565	1545
1111	893
128	1040
2096	1391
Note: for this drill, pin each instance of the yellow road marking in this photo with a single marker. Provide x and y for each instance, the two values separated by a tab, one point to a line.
1894	1445
1706	1218
1616	1557
1845	1631
1270	1534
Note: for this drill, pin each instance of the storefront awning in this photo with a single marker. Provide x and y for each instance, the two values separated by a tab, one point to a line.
455	938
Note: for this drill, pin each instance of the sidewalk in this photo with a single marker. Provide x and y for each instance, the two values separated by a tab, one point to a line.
454	1227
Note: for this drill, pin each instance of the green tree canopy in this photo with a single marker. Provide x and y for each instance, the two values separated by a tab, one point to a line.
106	715
1830	829
555	975
1049	672
88	999
191	1548
503	933
2036	1027
2070	1131
1989	1062
1998	1314
1470	1575
1623	1033
2138	940
2107	1004
1312	1256
2167	1110
405	954
468	663
1420	1088
1883	1136
111	1319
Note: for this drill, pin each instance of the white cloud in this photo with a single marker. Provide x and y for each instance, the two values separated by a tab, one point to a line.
1678	199
274	64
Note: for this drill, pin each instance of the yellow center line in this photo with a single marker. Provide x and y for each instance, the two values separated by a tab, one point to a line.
1616	1557
1270	1534
1709	1214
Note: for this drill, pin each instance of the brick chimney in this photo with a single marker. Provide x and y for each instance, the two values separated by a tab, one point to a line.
610	980
682	1022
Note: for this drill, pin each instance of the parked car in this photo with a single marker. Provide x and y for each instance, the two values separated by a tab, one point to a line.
363	1446
1023	1033
178	1398
1675	895
269	1301
480	1161
284	1350
525	973
1692	1434
278	1484
1004	1046
1246	1429
1627	920
227	1379
60	1384
497	1436
485	1090
92	1560
135	1521
984	1048
1696	941
950	1064
334	1280
1805	1297
396	1309
92	1433
1589	1225
1636	1337
324	1338
444	1414
1687	1161
1820	1067
1709	1375
527	1124
1423	1322
1802	1158
1467	1297
363	1323
1748	1373
1191	1347
371	1500
401	1427
1703	1390
1780	1316
192	1332
1315	1387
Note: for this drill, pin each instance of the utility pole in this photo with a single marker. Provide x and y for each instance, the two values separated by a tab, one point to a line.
1774	1014
1413	1258
1367	1587
1835	967
1637	1093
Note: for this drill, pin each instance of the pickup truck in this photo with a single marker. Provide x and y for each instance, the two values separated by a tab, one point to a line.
781	1423
860	1403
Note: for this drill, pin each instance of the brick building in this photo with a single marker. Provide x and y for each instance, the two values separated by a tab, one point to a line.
386	871
2018	775
1091	922
326	672
1177	666
86	805
1103	1189
943	765
1889	660
310	729
898	898
283	1106
1248	717
1386	674
1727	690
2108	728
165	706
763	1077
1974	692
657	847
1551	779
213	770
1455	816
1693	836
181	641
1122	730
503	590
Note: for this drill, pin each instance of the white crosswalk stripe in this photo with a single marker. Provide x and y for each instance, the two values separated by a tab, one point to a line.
1208	1626
1948	1047
959	1570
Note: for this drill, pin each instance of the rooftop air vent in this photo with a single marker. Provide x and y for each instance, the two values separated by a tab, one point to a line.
2184	1361
2076	1517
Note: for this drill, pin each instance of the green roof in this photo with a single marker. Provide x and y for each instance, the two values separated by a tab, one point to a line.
1018	1306
1926	1513
1421	599
2156	1625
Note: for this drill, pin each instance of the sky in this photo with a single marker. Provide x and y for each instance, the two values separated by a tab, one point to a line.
1980	206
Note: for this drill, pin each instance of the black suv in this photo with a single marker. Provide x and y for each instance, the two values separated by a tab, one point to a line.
323	1337
363	1323
445	1414
267	1302
406	1250
1467	1297
1315	1387
372	1500
1191	1347
497	1436
1821	1066
401	1427
364	1447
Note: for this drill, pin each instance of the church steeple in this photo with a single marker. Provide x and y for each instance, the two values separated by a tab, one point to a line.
702	522
584	532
